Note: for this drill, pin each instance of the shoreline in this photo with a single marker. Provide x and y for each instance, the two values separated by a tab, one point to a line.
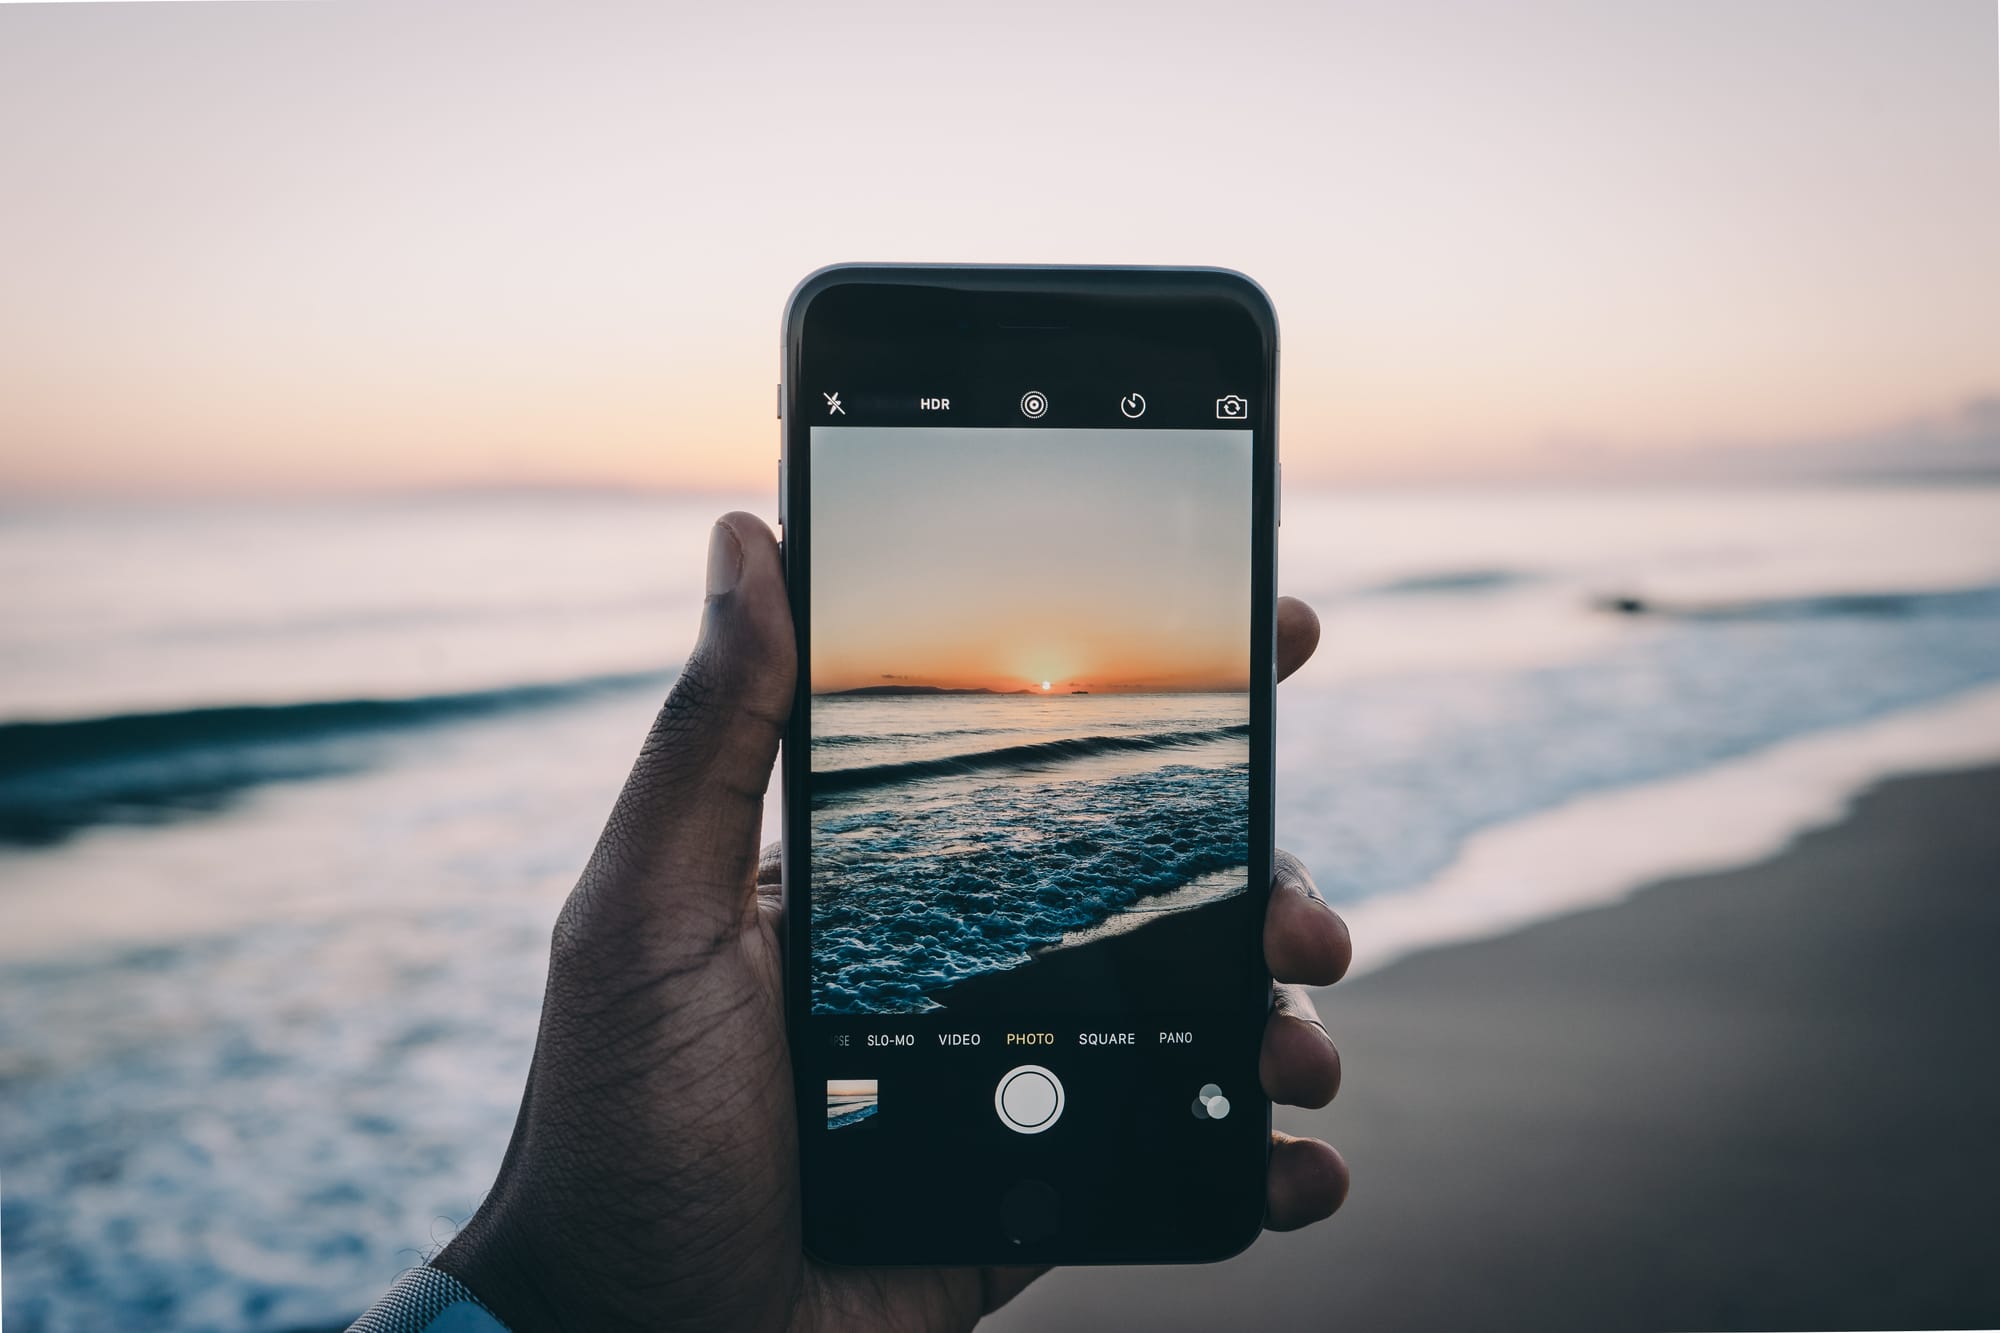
1603	847
1140	968
1751	1098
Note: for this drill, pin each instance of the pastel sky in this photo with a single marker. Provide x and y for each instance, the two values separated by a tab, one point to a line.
1111	561
306	247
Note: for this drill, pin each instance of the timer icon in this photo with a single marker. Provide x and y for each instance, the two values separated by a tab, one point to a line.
1133	405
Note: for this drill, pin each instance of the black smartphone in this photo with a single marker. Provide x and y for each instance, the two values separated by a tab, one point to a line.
1029	520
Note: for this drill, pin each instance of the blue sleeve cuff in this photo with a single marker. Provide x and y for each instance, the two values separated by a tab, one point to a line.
428	1300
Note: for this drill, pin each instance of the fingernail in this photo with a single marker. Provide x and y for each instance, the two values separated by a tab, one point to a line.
725	560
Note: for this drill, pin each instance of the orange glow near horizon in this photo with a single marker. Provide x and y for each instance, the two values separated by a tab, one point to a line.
1031	561
1099	656
1131	675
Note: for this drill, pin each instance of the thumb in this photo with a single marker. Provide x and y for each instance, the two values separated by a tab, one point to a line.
684	829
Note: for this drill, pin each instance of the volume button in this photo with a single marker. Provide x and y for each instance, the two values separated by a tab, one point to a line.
781	492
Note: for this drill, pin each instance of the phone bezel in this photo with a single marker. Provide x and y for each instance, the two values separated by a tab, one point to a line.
1019	287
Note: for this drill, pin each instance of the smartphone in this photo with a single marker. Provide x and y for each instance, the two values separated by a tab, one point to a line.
1029	521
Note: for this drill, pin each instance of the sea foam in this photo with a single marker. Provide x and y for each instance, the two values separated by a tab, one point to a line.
1598	849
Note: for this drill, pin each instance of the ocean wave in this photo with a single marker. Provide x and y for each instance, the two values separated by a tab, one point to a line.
1895	604
59	777
876	740
1450	581
1383	780
854	1117
1604	843
429	617
909	897
826	782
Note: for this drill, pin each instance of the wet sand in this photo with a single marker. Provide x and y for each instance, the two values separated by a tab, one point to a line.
1767	1098
1142	968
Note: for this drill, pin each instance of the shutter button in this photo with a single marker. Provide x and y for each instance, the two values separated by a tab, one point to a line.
1029	1099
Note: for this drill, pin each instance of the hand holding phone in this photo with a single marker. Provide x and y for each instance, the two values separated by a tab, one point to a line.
653	1177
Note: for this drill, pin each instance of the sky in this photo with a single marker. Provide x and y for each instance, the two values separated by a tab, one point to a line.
310	247
1111	561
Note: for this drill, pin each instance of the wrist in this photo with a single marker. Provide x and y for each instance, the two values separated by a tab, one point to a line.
428	1300
494	1261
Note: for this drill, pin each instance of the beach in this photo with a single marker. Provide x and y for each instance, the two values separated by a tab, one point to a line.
282	840
1761	1098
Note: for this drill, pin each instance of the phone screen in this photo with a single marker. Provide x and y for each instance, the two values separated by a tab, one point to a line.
1032	980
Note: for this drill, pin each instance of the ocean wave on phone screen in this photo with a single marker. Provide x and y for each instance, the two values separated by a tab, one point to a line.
890	740
932	881
854	1117
826	783
853	733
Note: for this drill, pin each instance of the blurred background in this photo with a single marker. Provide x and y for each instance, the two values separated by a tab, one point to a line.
370	376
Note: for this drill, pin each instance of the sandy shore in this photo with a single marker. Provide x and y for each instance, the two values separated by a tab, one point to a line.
1766	1098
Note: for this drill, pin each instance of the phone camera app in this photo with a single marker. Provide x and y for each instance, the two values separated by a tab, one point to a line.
1233	407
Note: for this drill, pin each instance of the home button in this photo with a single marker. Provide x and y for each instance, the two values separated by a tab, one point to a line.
1031	1211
